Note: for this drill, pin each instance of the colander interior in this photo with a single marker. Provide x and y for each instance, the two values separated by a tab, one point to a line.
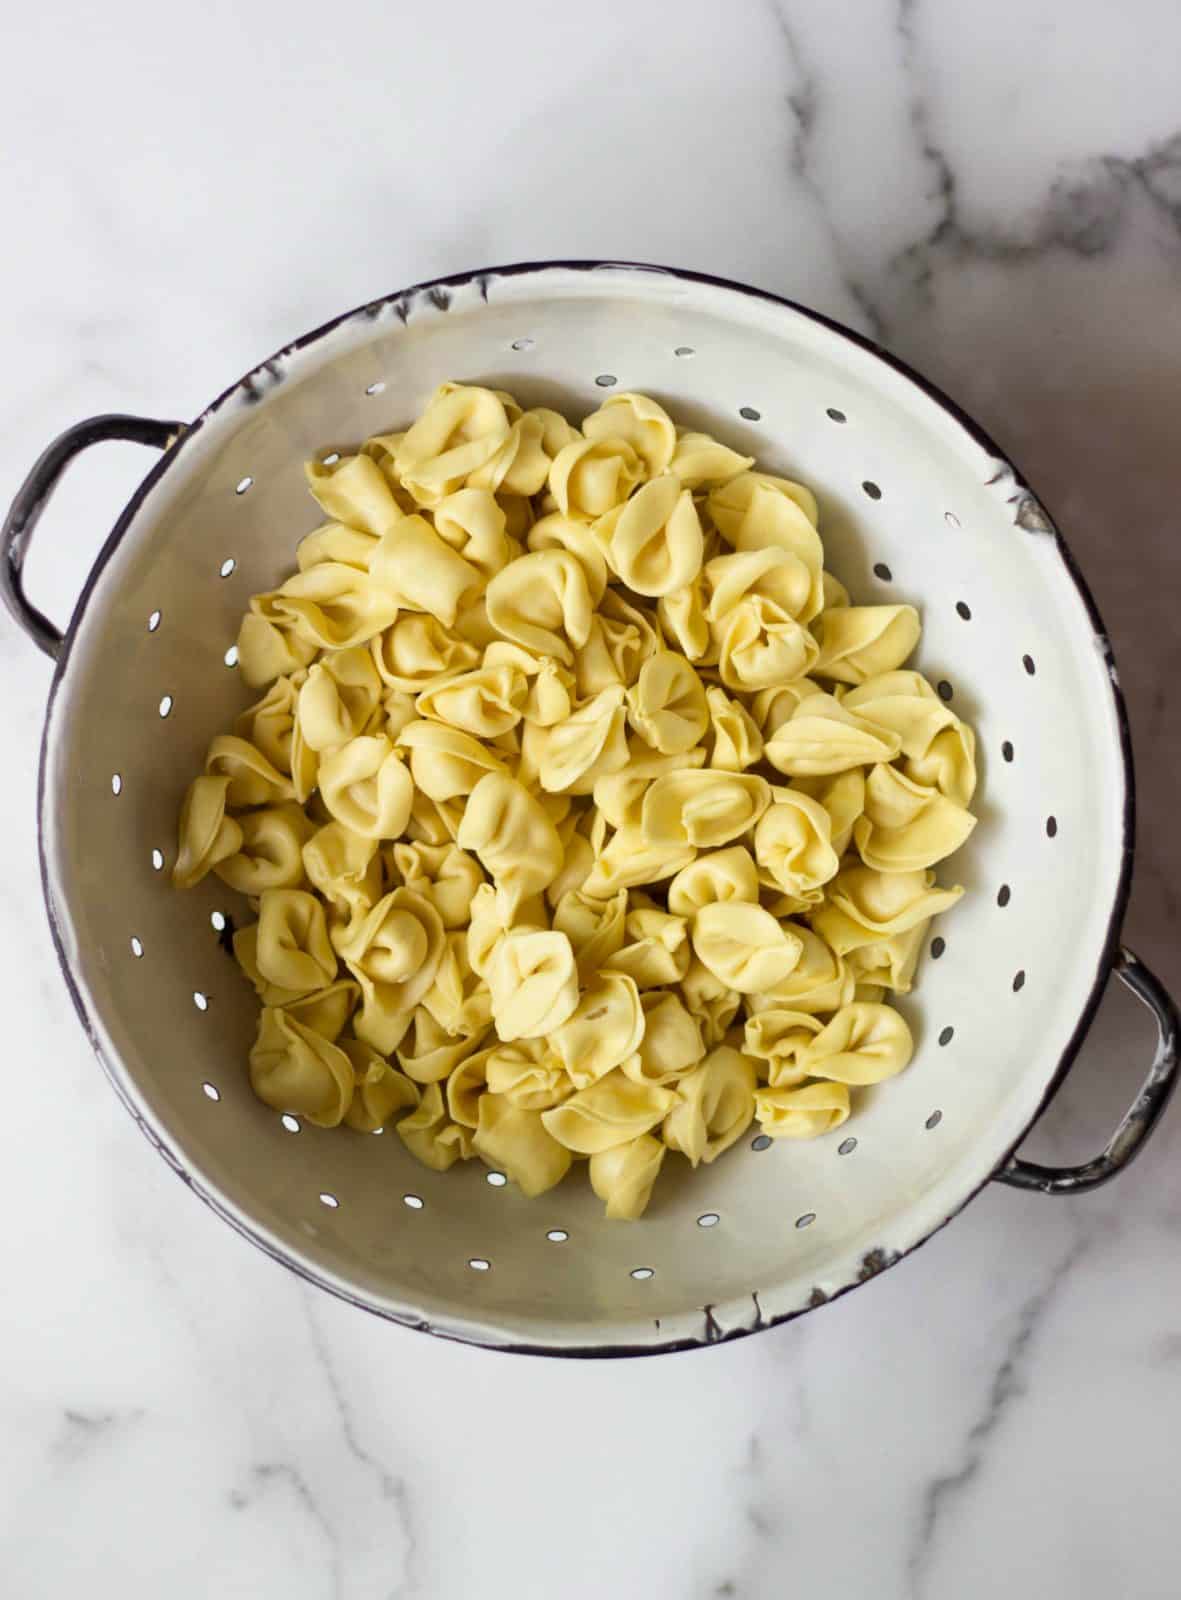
914	505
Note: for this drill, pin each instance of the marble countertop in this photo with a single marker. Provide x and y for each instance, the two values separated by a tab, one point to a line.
995	194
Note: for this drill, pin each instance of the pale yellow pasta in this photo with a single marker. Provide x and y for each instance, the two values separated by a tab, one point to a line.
366	785
509	831
714	1106
583	813
623	1177
207	835
533	979
603	1030
516	1142
653	542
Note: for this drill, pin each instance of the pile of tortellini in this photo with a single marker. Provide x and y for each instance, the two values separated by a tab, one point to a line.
582	814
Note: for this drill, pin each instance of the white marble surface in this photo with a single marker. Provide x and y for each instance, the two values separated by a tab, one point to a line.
995	191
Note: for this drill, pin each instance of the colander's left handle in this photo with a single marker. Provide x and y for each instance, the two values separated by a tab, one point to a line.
33	496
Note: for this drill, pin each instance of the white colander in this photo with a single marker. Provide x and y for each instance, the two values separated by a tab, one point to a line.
916	504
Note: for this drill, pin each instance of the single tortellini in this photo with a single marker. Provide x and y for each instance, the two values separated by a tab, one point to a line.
542	602
735	742
521	464
778	1037
865	906
293	950
335	541
703	808
859	642
324	1011
473	523
418	652
653	541
294	1069
379	1090
715	1104
819	982
656	947
270	851
755	511
603	1030
685	624
533	979
824	736
513	837
527	1074
459	432
595	928
269	725
445	763
772	707
394	953
667	704
423	573
619	796
719	875
430	1135
590	744
671	1043
842	794
515	1141
702	463
760	644
793	847
268	644
611	1111
623	1177
712	1002
937	748
907	826
803	1113
620	639
443	874
590	476
458	999
353	490
344	867
253	780
646	426
207	836
367	786
332	607
486	703
863	1043
630	858
338	699
557	532
770	574
744	947
427	1053
549	686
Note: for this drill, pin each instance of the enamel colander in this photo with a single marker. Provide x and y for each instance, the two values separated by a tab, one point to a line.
916	503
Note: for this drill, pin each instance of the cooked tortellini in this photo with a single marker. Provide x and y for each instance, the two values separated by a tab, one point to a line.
581	813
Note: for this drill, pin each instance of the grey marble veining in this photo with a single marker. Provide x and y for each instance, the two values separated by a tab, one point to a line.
994	194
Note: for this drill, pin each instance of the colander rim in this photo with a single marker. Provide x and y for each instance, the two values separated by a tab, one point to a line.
263	373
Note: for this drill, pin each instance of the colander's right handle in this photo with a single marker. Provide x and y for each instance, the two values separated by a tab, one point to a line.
1139	1119
33	496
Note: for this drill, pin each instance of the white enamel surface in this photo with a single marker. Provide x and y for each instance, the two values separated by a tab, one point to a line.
945	526
997	1414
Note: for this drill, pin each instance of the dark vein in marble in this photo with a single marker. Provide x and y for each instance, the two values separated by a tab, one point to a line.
392	1488
803	102
263	1475
1008	1384
85	1429
1082	213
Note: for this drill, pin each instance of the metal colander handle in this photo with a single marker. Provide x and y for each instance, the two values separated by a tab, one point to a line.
1141	1116
33	496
